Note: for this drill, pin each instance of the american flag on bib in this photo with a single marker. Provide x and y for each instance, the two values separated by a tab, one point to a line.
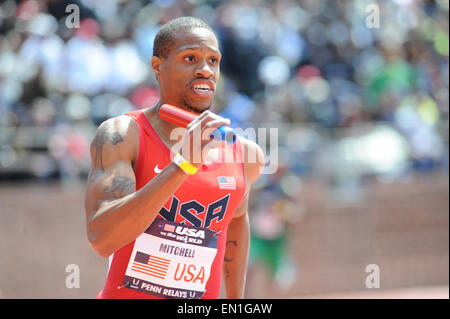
170	228
227	182
150	265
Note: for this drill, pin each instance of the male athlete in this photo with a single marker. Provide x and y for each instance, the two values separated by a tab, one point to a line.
170	220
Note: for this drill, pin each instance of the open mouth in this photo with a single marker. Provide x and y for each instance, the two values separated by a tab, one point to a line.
203	89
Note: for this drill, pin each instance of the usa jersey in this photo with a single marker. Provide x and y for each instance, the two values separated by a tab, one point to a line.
181	254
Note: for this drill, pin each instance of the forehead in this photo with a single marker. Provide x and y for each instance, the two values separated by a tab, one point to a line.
197	38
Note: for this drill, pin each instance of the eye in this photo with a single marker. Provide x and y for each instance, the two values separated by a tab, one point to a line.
189	58
214	60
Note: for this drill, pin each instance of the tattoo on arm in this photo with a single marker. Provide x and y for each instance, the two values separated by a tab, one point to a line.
227	271
115	138
229	259
102	136
122	184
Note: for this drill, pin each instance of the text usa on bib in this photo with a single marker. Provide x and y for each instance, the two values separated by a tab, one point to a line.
172	260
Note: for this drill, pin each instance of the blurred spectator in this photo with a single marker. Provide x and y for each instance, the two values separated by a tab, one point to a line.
315	66
271	218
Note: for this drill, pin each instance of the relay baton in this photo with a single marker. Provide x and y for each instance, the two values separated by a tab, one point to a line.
179	117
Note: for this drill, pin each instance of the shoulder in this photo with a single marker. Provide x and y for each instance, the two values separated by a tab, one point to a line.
119	134
116	130
253	159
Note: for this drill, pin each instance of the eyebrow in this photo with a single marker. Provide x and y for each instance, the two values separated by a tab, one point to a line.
196	48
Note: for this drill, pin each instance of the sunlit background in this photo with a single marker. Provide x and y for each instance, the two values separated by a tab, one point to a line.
363	145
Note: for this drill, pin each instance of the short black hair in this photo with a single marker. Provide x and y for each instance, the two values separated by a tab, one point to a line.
163	42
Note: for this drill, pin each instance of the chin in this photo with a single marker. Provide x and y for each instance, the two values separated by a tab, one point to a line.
197	108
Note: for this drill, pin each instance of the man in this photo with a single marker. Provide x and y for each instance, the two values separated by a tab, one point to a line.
171	220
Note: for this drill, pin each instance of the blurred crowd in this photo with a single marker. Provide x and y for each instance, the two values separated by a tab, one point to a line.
314	69
357	88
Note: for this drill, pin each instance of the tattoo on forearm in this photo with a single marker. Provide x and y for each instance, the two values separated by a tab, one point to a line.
227	272
100	139
121	184
229	258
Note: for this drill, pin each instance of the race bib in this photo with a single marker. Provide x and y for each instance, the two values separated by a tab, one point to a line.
172	260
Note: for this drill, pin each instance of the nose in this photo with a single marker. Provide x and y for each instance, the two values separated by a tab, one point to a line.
204	70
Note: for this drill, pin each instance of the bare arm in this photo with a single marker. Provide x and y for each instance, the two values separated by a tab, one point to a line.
115	213
236	254
238	234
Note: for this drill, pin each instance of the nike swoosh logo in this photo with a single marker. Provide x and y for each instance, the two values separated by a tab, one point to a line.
157	170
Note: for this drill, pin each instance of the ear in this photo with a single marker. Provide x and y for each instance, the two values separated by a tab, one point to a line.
156	65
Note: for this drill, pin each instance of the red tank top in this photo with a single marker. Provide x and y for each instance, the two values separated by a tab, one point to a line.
207	199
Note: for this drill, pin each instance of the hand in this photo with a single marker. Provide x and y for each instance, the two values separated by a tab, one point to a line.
197	139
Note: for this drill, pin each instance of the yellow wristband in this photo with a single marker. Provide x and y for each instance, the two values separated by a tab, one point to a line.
185	165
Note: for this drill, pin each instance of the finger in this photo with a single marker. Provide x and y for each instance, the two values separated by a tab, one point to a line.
193	122
205	113
199	118
216	123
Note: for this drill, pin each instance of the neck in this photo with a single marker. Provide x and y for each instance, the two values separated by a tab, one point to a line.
163	128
